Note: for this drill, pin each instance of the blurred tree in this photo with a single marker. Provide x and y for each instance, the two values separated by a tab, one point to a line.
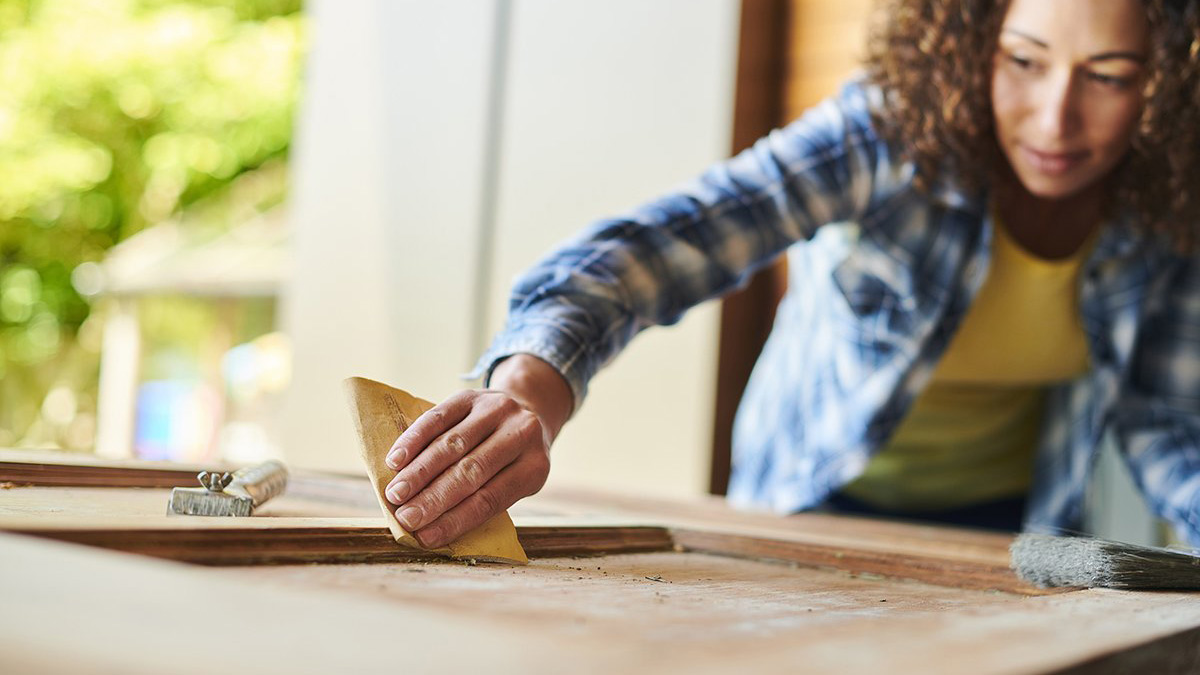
115	115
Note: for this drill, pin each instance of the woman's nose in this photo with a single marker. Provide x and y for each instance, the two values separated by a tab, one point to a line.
1058	107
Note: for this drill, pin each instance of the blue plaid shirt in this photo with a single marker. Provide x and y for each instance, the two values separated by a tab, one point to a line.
880	277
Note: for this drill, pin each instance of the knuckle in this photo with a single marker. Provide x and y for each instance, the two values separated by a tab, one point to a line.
488	503
472	471
527	427
508	405
455	444
434	500
435	417
421	473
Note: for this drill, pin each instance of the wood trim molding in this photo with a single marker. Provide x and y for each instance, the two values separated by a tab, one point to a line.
293	545
21	474
927	569
334	545
602	525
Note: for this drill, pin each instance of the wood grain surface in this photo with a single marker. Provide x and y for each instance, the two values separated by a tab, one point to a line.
656	612
617	584
292	529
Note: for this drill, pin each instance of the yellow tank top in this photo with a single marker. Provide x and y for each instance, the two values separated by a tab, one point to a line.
971	435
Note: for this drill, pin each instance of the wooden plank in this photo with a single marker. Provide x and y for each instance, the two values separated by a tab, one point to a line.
668	598
289	530
333	540
1096	628
707	615
852	532
284	531
201	544
308	492
45	468
1175	654
281	540
668	611
928	569
130	614
944	556
22	474
717	614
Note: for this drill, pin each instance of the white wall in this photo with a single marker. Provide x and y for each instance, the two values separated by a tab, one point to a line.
385	191
430	129
610	103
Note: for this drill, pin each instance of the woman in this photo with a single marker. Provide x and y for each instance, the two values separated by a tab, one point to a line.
990	246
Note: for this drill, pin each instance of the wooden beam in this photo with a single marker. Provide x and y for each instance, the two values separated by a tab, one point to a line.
45	469
23	474
292	545
928	569
297	528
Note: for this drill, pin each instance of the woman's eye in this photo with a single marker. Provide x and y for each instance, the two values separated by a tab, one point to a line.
1112	81
1022	62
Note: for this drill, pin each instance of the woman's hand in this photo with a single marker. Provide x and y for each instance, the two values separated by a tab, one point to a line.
479	451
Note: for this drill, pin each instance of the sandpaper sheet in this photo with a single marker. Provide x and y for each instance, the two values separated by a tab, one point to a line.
380	414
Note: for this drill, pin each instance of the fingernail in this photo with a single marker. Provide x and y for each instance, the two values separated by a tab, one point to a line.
393	458
397	493
409	517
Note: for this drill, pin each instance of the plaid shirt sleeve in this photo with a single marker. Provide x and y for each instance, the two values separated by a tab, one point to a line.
1158	416
578	307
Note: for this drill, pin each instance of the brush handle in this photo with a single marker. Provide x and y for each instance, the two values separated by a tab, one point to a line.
262	481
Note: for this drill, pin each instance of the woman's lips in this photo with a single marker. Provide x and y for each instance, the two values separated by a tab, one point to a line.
1053	163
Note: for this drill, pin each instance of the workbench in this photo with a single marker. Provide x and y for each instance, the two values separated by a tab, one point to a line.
94	577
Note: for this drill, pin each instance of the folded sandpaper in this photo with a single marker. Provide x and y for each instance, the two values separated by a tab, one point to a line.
380	414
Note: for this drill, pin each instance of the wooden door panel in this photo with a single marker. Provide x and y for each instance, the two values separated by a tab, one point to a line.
298	529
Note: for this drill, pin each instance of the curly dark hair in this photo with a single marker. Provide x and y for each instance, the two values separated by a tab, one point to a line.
933	59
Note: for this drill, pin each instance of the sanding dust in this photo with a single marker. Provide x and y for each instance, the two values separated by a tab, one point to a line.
701	598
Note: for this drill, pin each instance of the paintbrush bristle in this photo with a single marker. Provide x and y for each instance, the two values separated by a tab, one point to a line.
1047	560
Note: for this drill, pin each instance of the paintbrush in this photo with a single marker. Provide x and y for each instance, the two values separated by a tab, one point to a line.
1088	562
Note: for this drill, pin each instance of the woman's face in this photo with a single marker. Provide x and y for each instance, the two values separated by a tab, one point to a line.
1067	90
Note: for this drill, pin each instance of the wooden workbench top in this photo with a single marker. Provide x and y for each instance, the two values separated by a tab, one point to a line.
100	579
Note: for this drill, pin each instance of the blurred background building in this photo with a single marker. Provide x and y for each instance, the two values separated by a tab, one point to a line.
213	211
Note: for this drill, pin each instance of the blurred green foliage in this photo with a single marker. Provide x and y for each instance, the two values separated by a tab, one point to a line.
116	115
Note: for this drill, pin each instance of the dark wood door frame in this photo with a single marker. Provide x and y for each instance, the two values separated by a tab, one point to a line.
747	315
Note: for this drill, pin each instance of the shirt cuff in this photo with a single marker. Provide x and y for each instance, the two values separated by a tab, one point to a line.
553	346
